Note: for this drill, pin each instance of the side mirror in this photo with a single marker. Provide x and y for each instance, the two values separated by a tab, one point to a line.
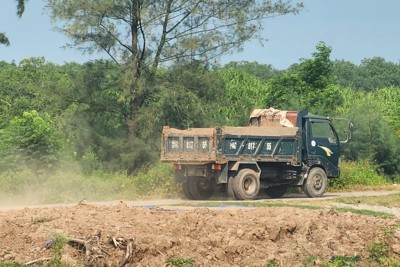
349	133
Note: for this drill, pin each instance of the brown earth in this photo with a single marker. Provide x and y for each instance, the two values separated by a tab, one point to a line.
224	236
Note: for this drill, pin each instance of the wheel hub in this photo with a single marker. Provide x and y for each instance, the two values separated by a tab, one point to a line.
249	185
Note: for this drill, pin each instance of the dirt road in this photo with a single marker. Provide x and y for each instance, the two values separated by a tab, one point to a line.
148	233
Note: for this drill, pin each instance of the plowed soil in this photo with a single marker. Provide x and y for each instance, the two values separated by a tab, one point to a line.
224	236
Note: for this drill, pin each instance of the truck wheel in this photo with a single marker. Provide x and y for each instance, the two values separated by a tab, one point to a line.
316	183
246	184
276	191
229	189
185	191
199	188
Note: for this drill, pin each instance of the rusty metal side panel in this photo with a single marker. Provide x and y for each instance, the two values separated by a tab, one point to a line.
195	145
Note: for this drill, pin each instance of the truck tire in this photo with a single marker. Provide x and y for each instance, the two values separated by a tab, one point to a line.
316	183
276	191
185	191
200	189
246	184
229	189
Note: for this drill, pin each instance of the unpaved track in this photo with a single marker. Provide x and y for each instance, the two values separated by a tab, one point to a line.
176	201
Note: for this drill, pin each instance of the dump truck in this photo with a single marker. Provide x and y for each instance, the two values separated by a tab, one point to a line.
277	150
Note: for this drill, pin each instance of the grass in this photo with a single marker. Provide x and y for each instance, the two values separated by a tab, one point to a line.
41	220
390	201
255	204
179	262
379	214
69	186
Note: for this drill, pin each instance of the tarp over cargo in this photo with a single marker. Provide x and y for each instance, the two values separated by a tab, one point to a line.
273	117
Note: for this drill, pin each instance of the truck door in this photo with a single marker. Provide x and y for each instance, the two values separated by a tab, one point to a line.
323	144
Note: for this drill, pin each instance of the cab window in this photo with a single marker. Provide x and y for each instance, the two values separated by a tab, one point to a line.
323	130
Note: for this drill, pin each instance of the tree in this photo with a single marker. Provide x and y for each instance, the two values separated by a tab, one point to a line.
153	32
316	72
243	93
261	71
146	33
308	85
372	74
20	10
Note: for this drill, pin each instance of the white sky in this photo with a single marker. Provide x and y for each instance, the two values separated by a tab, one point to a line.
355	29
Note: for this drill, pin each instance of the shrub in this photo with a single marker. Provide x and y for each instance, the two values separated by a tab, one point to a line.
30	140
354	173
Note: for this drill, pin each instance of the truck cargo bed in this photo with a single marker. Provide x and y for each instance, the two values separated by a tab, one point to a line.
223	144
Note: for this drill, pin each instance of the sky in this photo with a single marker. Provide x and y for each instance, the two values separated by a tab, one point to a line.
354	29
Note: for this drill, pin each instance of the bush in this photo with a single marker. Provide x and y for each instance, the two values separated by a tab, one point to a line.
357	173
30	140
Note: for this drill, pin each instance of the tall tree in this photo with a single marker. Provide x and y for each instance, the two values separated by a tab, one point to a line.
146	33
20	10
153	32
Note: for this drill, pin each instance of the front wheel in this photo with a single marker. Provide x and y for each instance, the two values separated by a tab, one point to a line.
246	184
316	183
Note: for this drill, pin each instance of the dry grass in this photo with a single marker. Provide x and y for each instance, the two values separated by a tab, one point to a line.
390	201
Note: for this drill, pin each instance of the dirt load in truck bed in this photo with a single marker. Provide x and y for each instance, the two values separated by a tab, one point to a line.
223	236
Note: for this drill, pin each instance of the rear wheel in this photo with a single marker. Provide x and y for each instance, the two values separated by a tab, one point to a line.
246	184
316	183
200	188
229	189
276	191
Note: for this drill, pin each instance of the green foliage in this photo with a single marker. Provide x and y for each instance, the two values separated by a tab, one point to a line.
243	93
316	72
308	85
179	262
374	138
343	261
30	140
260	71
378	251
272	263
372	74
90	162
4	39
90	117
57	246
157	179
357	173
379	256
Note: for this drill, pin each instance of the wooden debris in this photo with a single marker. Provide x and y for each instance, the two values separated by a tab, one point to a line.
37	261
96	253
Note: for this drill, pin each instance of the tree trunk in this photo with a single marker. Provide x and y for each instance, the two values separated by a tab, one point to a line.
135	65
